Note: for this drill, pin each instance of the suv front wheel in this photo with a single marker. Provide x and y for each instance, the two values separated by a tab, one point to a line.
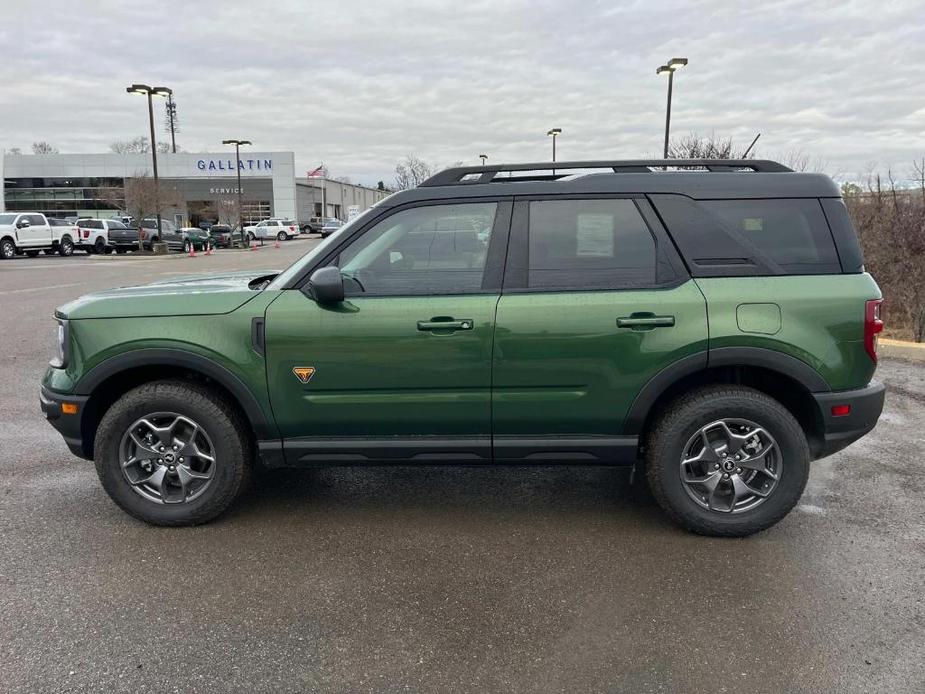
172	453
727	460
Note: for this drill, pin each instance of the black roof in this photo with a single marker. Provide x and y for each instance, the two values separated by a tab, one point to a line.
708	179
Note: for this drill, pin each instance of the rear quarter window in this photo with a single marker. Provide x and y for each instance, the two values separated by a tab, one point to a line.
783	236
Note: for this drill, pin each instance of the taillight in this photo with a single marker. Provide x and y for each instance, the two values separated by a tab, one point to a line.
291	228
86	233
873	326
144	234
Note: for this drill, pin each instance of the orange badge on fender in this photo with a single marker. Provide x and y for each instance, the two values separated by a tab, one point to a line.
304	373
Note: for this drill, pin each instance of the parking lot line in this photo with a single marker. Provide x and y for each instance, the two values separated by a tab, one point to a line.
39	289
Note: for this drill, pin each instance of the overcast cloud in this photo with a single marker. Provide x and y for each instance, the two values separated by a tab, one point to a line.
360	84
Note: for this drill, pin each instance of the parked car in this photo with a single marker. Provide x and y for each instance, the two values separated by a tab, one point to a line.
714	327
279	229
123	238
31	233
221	235
169	234
330	226
194	237
313	225
95	234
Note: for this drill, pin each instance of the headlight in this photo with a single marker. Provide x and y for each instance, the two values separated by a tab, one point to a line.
60	360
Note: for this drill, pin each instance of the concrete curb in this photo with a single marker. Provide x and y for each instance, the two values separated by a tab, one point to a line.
900	349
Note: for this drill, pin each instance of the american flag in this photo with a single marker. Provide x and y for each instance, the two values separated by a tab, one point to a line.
319	172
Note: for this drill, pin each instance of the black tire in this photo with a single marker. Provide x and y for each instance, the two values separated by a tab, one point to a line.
7	249
32	254
281	236
215	416
187	246
66	247
99	246
681	420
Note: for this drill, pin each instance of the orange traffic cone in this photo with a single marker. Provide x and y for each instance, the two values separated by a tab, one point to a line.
254	247
276	245
192	250
208	249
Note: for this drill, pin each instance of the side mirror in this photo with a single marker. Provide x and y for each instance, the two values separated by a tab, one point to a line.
327	285
23	224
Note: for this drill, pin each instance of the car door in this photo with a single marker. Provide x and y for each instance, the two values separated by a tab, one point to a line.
402	367
38	233
595	304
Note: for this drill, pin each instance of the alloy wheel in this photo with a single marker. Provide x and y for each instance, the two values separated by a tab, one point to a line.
730	465
7	250
167	458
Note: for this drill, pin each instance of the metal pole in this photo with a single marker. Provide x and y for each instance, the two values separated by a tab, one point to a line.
157	192
237	163
554	149
668	113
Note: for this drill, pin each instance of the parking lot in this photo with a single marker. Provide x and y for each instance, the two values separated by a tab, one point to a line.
442	578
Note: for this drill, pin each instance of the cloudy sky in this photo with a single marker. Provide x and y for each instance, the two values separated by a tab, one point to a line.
358	85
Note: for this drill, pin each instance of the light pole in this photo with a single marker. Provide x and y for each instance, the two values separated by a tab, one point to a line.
669	68
483	157
145	90
172	121
237	163
555	132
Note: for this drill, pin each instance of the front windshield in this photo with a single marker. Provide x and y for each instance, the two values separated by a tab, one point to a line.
294	270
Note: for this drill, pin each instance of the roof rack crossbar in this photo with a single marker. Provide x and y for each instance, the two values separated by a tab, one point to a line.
465	175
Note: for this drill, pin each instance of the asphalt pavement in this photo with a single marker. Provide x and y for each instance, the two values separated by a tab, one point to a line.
442	579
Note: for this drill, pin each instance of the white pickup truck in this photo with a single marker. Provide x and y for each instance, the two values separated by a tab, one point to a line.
31	232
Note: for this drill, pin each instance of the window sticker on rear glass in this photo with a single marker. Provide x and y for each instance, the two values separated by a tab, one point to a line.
595	235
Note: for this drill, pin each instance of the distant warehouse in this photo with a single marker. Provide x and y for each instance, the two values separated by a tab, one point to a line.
202	186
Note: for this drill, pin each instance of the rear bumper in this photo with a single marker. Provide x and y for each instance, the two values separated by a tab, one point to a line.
68	425
839	431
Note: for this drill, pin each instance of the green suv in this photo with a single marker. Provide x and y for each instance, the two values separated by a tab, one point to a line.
712	324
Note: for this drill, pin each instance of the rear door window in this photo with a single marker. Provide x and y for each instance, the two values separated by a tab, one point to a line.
589	244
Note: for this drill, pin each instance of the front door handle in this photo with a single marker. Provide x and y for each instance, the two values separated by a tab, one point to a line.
445	324
645	321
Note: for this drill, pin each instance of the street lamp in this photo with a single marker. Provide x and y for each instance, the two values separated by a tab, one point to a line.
145	90
237	162
483	157
555	132
669	67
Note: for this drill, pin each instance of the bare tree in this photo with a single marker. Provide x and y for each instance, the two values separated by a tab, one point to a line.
891	228
14	150
696	146
138	145
411	172
44	148
142	199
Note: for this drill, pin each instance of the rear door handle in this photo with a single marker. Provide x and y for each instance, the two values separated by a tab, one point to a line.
644	321
448	324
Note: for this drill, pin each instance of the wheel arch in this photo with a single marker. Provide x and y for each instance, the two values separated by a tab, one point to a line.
109	380
788	380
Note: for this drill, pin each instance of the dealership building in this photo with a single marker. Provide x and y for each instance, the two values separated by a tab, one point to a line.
202	186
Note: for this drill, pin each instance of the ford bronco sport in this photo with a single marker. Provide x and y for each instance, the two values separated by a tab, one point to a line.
712	323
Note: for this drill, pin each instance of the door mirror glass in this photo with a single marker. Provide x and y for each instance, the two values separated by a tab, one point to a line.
327	285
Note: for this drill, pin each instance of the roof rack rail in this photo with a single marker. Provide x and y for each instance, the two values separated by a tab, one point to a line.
464	175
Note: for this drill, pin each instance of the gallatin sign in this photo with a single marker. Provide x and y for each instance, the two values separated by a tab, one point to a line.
228	164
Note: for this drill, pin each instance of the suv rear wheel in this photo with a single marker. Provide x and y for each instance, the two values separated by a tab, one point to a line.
172	453
282	236
727	461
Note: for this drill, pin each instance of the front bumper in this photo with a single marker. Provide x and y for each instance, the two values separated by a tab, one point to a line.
839	431
68	425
